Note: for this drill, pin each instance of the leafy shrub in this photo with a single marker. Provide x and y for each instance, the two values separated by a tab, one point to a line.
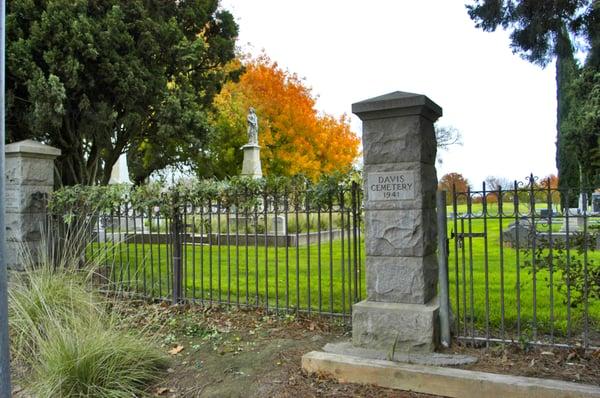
313	223
156	225
242	192
578	276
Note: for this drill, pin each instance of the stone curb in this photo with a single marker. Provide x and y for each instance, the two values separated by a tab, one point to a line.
427	359
447	382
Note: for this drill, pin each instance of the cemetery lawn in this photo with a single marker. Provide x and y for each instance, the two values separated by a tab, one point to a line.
514	309
309	278
290	278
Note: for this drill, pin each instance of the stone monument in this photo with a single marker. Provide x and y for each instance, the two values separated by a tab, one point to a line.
401	309
29	178
120	171
251	166
596	202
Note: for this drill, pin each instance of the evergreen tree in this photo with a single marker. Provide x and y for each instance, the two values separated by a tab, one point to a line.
97	78
540	32
566	156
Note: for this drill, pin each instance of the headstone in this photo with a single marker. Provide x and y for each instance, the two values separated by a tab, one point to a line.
596	203
29	179
401	309
574	222
519	234
583	204
279	225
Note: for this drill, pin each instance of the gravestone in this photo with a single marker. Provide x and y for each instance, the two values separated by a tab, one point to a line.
401	309
29	179
574	222
583	202
279	225
596	203
519	234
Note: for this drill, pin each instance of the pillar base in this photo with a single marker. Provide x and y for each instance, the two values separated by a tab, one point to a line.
251	166
396	327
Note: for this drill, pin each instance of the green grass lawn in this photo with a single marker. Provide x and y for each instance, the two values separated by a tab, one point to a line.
323	278
311	278
515	298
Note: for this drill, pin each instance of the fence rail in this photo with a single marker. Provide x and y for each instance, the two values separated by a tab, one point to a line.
522	270
519	269
282	252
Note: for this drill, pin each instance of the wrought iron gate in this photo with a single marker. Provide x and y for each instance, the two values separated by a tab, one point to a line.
521	270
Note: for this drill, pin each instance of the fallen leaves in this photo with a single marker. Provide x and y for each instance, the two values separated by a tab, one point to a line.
176	350
160	391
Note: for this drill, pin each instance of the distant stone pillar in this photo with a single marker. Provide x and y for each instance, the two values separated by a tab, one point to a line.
251	166
29	178
401	309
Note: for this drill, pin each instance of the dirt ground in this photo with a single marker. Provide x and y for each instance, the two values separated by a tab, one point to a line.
576	365
239	353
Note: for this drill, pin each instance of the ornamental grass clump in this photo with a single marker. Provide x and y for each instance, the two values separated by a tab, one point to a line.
42	297
95	360
65	340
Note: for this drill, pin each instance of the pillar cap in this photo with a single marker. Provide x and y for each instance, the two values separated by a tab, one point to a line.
397	103
32	147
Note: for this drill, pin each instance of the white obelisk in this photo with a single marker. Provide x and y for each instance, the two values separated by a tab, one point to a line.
120	172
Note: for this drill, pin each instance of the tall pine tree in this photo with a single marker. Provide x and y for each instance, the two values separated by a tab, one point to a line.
540	32
566	156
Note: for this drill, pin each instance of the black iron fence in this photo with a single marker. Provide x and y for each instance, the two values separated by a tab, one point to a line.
522	268
283	251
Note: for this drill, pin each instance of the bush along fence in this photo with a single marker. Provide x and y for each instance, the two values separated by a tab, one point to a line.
279	244
523	270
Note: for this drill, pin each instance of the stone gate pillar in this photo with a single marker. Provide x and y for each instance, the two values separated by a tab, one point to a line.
29	176
401	309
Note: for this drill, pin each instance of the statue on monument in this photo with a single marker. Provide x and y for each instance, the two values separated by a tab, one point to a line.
252	127
251	166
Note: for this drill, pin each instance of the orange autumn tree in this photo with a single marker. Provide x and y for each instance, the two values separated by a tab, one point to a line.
451	181
294	137
550	183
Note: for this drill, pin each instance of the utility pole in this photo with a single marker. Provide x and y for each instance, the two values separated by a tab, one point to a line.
5	389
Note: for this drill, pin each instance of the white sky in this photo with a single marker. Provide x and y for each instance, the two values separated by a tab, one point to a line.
351	50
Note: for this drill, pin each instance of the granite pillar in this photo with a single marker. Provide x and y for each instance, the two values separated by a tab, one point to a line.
29	178
401	308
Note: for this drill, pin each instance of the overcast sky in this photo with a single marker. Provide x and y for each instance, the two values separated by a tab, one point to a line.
351	50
